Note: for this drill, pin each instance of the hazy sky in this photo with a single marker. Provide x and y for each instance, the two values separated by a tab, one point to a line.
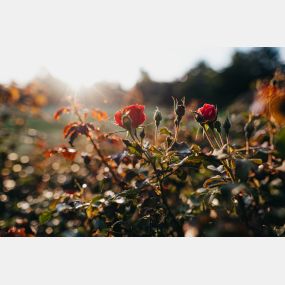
82	42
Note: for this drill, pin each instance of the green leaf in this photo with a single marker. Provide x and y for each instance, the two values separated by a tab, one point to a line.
181	174
214	181
133	150
280	143
45	217
256	160
53	204
181	148
127	143
96	198
91	212
243	168
131	174
165	131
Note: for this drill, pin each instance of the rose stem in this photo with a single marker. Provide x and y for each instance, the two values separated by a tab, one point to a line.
105	162
271	145
160	181
229	170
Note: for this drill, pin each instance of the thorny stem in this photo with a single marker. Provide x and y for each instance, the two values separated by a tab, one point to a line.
215	138
100	154
246	146
208	138
228	144
271	145
227	168
178	227
177	224
227	164
155	135
176	133
221	139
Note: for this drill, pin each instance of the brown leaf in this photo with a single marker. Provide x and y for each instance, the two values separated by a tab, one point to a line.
61	111
99	115
66	152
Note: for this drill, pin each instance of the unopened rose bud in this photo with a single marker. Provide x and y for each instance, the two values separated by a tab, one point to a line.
248	129
227	126
218	126
157	117
142	134
180	110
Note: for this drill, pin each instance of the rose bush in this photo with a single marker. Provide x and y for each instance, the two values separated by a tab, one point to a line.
168	176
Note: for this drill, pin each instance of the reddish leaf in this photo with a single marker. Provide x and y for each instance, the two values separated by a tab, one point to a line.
69	129
72	137
49	153
61	111
66	152
112	139
99	115
73	130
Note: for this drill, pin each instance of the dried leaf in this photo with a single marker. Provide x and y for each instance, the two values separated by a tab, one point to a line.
99	115
66	152
61	111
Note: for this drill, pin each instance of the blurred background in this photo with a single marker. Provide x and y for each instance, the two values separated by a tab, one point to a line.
108	54
118	52
111	53
222	76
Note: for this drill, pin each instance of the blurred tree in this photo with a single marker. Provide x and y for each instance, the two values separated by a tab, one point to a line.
218	87
201	82
235	82
245	68
156	93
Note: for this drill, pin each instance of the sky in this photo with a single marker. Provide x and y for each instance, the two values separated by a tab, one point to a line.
83	42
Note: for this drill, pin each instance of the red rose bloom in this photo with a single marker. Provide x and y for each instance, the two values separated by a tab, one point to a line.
208	112
134	112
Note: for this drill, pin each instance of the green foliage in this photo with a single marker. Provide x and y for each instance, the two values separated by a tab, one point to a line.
178	177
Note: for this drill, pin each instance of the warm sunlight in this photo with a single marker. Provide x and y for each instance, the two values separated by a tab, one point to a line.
77	43
114	124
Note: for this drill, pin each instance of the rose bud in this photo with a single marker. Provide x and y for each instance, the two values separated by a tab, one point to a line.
227	126
218	126
142	134
157	117
130	116
248	129
179	109
209	113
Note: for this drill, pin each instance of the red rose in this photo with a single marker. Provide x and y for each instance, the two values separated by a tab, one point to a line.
208	112
133	113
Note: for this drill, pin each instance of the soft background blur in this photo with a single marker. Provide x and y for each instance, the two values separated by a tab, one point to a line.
112	53
111	45
221	76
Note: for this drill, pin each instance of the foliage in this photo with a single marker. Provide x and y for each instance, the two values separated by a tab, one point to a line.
187	173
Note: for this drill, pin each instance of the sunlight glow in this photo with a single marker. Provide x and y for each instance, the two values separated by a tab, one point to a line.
83	42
